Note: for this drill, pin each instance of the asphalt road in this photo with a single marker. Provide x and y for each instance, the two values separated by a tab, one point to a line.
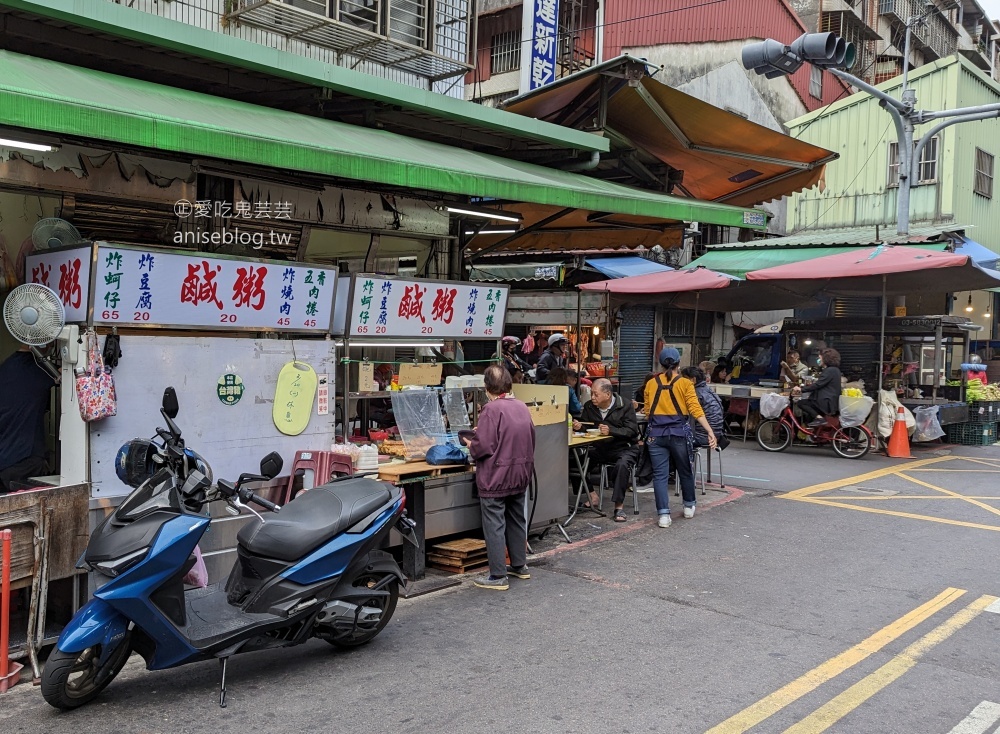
808	604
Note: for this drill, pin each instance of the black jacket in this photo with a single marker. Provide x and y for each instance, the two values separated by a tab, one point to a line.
714	413
826	391
546	363
621	422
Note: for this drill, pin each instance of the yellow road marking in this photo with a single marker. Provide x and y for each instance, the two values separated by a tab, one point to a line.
902	497
984	462
911	515
770	705
837	708
877	474
957	471
948	492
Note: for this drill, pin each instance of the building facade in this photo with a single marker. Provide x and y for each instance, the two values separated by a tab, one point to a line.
956	171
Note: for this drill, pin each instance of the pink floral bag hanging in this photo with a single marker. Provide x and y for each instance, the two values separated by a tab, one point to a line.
95	388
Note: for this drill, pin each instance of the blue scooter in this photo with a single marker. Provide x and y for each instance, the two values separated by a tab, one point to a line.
311	570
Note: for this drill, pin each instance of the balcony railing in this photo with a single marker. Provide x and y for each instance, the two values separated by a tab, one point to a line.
935	36
427	38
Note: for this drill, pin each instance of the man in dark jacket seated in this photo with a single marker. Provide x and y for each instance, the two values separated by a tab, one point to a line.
613	416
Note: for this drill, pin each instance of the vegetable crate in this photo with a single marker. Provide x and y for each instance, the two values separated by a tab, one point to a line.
984	411
971	434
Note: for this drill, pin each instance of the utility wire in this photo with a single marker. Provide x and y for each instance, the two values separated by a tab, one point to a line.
861	170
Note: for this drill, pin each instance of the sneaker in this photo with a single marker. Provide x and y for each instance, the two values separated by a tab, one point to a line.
521	572
664	521
817	422
492	582
688	513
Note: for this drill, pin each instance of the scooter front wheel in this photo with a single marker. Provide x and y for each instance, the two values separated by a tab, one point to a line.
385	600
71	679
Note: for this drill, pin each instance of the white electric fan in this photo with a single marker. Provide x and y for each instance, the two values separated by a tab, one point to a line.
34	315
54	232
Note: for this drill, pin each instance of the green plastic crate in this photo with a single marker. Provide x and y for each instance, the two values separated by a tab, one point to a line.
971	434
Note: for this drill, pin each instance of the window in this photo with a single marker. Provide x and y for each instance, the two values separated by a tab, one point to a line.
926	171
984	174
505	52
816	82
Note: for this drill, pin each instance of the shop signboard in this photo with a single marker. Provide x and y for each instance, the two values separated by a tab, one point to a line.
151	287
67	272
389	308
539	33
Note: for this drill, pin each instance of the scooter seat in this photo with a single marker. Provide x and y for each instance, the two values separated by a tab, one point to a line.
313	518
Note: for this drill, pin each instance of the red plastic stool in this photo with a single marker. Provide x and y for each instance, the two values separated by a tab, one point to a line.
322	464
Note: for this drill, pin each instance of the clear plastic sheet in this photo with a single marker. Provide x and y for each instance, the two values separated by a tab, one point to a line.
419	419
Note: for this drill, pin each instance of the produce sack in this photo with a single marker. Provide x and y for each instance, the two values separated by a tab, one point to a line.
772	404
888	405
854	410
928	425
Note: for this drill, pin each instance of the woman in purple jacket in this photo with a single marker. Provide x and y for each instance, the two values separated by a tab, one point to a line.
504	449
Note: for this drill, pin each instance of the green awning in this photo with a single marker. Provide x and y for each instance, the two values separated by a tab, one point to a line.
740	262
41	95
148	30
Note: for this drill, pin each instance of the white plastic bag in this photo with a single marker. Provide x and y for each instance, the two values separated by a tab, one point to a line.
772	404
888	406
854	411
928	425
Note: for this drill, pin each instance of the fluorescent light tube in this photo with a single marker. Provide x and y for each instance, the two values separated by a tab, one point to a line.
6	143
485	214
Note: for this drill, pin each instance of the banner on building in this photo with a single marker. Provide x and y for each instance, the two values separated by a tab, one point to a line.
539	39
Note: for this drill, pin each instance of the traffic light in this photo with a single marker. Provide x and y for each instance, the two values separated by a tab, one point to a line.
825	50
770	58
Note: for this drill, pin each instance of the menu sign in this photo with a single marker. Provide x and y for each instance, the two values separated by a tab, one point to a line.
67	272
147	287
393	308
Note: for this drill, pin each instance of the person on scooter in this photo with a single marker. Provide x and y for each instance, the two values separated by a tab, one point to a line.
824	394
511	360
551	358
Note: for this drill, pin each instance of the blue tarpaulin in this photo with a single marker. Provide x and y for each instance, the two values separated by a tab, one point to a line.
981	255
623	267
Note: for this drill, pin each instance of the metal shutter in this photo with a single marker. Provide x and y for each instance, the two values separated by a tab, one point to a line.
635	347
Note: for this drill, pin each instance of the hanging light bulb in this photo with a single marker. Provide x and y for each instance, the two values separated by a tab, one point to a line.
597	329
968	306
987	314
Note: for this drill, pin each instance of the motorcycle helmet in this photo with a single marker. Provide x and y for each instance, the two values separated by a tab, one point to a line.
557	339
134	462
196	461
510	343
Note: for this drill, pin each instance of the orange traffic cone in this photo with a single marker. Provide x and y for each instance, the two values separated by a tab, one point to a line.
899	442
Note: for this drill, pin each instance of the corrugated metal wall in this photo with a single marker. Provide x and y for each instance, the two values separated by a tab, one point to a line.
969	206
631	23
635	347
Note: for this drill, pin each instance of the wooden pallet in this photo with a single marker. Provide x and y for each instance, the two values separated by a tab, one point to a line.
458	556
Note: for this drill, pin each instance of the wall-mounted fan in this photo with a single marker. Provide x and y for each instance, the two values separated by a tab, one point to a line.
54	232
34	315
